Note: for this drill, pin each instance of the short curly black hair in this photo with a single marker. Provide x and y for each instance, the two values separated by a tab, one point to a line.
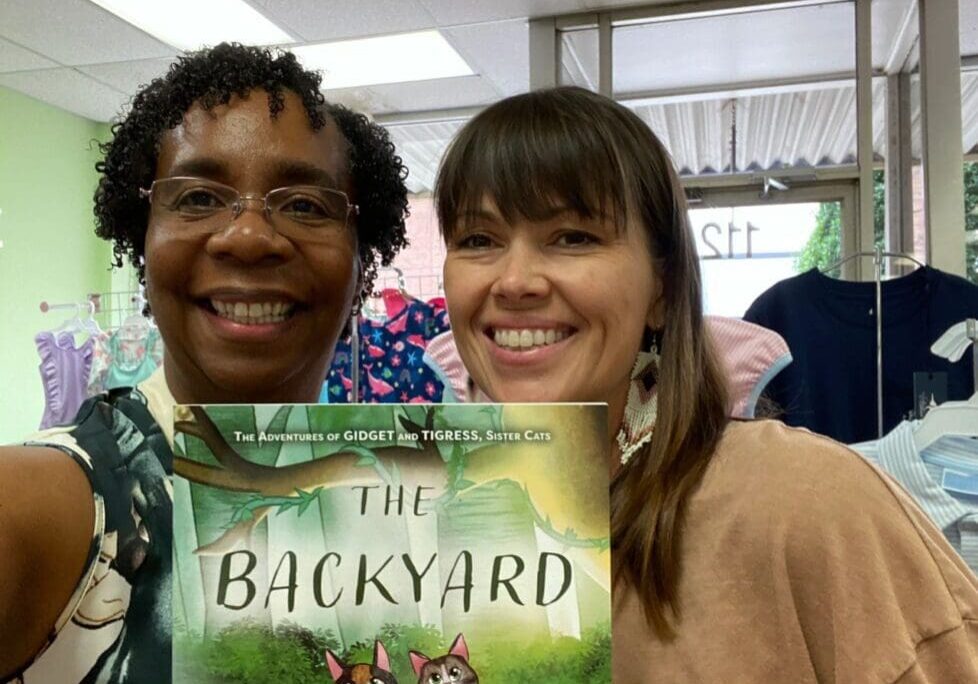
211	77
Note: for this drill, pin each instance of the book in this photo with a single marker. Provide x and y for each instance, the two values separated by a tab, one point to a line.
391	543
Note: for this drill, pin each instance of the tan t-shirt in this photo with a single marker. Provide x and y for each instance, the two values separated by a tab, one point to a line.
804	563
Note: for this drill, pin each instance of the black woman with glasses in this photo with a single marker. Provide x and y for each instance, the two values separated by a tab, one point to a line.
256	215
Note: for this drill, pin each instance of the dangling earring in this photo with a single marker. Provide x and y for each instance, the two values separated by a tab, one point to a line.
642	406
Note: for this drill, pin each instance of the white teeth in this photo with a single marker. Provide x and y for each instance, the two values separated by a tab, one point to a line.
253	313
526	338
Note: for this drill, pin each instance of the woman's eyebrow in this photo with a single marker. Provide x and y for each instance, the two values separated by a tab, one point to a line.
294	172
204	167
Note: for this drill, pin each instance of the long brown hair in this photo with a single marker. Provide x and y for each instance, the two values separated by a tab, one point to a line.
571	148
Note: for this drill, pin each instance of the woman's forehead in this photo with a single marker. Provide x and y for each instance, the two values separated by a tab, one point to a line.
243	138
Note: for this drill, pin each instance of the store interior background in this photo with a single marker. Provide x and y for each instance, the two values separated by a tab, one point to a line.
757	103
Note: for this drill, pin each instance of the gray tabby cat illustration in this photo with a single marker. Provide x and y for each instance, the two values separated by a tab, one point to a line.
452	668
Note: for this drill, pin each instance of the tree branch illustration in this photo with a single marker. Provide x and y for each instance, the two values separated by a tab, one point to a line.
236	473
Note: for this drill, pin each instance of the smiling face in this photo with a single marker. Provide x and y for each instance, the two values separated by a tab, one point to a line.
247	314
550	310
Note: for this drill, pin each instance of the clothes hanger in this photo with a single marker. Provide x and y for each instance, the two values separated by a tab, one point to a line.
952	418
958	418
135	323
77	324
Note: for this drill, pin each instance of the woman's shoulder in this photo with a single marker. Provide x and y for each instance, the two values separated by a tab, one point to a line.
786	464
808	480
810	520
818	502
810	495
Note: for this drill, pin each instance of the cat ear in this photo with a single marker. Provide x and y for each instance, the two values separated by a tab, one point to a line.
336	665
459	647
417	661
381	659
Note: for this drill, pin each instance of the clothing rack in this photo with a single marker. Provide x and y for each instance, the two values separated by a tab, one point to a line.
419	283
77	306
878	255
355	357
117	305
971	332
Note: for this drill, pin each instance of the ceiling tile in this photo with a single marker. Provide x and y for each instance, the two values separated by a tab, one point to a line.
75	32
442	93
69	90
15	58
128	77
480	45
316	20
451	12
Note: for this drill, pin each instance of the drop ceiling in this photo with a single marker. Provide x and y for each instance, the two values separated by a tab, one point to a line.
76	56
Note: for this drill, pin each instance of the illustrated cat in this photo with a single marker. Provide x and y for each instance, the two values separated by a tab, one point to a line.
452	668
362	673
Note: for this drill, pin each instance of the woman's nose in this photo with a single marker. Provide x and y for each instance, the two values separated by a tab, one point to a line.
250	237
522	276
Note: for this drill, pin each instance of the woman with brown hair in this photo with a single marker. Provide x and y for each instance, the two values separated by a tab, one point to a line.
743	551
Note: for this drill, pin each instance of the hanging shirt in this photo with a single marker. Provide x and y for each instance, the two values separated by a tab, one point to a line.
125	358
64	374
392	368
938	479
830	327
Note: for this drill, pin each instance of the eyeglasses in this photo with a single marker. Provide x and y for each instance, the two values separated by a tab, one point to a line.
298	212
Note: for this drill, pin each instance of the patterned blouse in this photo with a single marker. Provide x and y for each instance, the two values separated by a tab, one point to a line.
116	628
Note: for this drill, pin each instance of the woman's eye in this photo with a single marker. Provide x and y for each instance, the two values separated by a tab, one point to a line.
304	208
575	238
475	241
199	201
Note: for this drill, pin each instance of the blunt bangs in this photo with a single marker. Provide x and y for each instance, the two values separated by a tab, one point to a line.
535	156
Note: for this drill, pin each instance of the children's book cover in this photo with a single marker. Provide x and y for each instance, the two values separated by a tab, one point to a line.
377	544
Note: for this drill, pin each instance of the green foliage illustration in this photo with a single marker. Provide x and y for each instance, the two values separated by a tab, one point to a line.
253	653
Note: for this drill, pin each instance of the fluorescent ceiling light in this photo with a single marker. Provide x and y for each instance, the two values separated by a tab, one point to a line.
192	24
384	59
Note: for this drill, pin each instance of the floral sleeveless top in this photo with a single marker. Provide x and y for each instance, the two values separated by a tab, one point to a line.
116	628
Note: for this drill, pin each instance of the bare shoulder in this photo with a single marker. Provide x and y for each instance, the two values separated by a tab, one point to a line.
46	523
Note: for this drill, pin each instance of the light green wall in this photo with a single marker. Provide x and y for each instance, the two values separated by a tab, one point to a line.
50	252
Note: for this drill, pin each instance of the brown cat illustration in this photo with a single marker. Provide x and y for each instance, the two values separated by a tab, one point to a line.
452	668
362	673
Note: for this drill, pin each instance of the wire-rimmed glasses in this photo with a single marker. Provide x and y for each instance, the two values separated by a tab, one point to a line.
306	213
